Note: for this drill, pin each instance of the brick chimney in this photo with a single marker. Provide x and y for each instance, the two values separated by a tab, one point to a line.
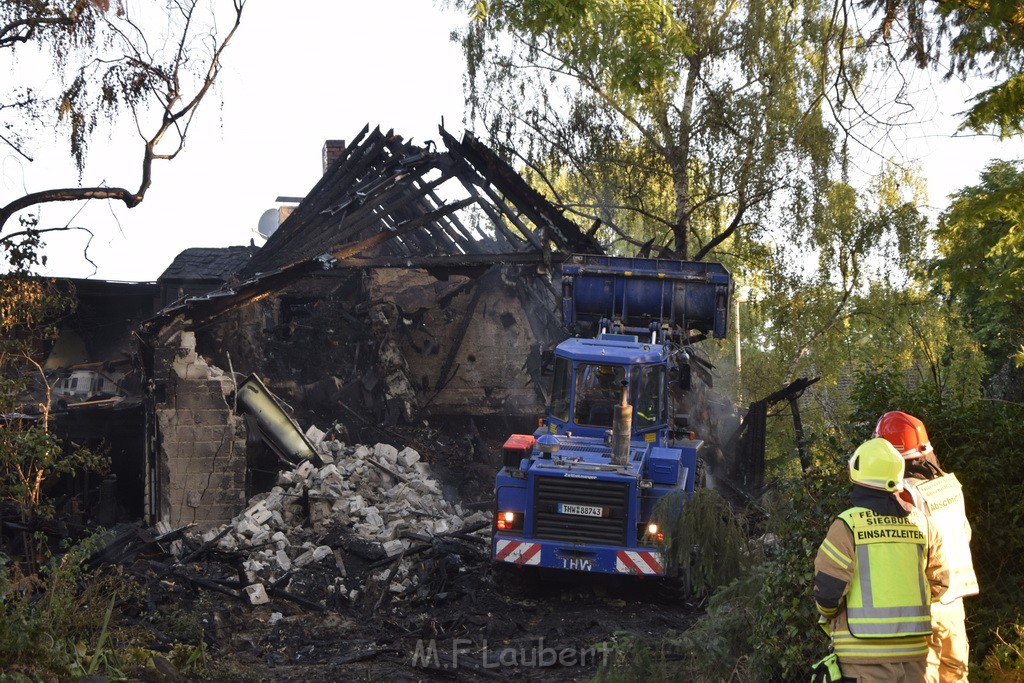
332	150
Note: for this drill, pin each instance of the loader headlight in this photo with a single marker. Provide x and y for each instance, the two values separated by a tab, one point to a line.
650	533
509	521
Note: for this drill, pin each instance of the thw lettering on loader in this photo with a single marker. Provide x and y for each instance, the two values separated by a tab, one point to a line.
517	552
578	564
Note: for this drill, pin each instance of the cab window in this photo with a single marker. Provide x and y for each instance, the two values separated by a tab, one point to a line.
649	408
560	390
598	389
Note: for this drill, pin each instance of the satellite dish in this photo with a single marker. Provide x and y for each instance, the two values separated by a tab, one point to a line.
268	222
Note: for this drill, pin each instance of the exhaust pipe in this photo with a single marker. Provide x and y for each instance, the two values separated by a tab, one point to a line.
622	426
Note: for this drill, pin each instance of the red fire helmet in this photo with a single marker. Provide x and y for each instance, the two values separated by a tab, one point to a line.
905	432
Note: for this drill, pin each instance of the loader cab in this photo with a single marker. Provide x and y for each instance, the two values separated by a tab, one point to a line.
589	378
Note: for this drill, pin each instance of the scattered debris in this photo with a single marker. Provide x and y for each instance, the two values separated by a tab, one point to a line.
370	567
376	507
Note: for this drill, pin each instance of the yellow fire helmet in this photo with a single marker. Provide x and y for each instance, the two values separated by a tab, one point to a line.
877	465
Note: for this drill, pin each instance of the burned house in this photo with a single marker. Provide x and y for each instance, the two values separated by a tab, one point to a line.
411	284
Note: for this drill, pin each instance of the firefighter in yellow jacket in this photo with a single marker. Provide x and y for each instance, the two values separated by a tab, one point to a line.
938	495
876	573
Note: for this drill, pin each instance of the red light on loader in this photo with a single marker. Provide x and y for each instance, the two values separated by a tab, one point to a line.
506	521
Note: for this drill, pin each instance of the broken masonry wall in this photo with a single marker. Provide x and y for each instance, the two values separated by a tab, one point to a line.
201	452
468	343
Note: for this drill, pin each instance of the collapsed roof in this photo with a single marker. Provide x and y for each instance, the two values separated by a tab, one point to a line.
386	202
397	201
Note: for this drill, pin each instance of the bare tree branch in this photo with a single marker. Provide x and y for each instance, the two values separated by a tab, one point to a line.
179	108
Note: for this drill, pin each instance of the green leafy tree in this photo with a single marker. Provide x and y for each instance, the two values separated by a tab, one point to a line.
30	453
852	299
981	268
721	102
109	62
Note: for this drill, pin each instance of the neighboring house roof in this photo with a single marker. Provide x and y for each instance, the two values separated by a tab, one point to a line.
202	264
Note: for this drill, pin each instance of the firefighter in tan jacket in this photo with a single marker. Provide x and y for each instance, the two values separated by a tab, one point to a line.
938	495
876	573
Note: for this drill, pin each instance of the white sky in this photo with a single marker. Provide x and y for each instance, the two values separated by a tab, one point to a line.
299	73
296	74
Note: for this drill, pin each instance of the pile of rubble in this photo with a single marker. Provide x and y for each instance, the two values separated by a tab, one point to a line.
372	506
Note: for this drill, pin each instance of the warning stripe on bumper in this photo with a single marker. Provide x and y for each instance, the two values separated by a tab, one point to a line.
638	562
517	552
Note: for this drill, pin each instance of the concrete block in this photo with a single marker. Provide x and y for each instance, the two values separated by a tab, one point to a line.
281	539
274	498
197	370
261	516
327	472
200	396
356	503
245	527
394	547
253	509
441	526
386	453
314	435
361	453
366	530
257	594
333	488
186	343
321	552
304	469
303	559
396	491
283	561
372	516
408	457
320	511
477	517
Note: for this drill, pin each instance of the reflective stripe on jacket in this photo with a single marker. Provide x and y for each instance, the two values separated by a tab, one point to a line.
889	594
834	578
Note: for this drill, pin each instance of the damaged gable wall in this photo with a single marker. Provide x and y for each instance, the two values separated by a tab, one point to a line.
471	350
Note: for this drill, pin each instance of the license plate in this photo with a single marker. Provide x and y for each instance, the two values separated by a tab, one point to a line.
584	510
